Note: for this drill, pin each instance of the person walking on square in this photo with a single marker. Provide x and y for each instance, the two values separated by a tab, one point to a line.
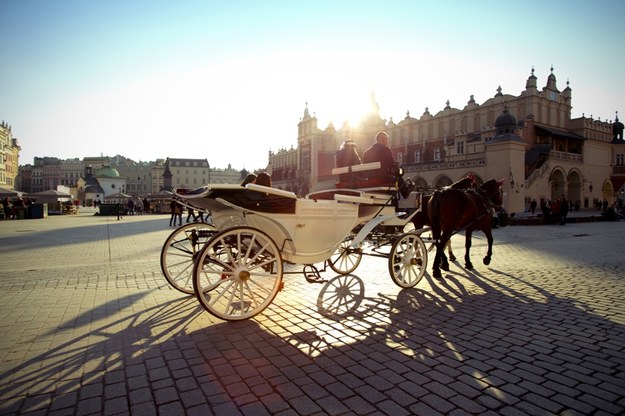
564	210
191	214
176	213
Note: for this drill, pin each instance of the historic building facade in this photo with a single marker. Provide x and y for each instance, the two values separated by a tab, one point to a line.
529	140
186	173
71	171
138	175
9	154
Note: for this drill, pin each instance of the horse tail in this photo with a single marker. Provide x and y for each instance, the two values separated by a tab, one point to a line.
435	214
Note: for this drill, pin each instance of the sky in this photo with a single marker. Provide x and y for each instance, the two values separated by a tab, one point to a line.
229	80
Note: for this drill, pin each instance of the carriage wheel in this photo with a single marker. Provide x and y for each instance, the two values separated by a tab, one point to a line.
179	252
238	273
408	260
346	258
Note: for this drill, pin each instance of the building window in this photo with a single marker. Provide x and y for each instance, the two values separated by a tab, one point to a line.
460	148
437	154
620	159
417	156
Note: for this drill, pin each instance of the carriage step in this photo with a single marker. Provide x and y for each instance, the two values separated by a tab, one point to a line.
312	275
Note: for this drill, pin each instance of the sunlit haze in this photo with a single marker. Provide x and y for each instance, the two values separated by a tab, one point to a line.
229	80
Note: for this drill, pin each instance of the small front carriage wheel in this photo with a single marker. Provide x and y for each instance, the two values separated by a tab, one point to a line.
238	273
408	260
346	258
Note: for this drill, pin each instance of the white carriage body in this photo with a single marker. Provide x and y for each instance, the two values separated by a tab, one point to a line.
307	230
307	233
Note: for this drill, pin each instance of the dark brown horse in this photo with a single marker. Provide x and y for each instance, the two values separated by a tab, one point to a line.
452	210
422	219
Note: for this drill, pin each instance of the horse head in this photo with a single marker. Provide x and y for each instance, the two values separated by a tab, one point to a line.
493	191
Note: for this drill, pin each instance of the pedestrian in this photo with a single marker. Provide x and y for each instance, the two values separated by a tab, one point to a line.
191	214
130	206
533	204
564	210
176	213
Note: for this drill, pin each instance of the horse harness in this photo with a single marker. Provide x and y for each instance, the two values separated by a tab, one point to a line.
487	204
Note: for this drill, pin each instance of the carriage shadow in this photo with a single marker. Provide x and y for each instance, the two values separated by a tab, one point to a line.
471	338
106	346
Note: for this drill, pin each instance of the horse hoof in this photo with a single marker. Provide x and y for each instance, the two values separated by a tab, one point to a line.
468	266
486	261
445	267
437	274
452	257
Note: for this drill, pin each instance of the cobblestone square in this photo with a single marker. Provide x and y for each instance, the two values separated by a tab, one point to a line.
90	326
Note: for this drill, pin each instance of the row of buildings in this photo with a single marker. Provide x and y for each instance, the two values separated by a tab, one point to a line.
94	178
530	140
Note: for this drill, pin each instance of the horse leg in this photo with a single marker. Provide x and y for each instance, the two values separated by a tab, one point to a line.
443	258
436	270
444	261
489	253
467	253
450	252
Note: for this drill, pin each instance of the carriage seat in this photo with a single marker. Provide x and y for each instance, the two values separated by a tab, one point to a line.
354	176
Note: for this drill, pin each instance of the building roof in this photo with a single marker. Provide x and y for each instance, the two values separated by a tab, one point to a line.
108	172
559	133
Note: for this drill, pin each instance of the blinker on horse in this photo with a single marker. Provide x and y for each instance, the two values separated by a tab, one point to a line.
452	210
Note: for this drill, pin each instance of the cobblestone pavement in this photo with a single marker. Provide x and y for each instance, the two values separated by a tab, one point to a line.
90	326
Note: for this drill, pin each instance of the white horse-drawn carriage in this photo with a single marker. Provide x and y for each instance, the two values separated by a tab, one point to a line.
235	265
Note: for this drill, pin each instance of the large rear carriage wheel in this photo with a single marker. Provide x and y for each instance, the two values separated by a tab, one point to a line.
179	252
238	273
408	260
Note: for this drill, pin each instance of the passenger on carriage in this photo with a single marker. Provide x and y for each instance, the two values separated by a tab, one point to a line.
348	156
389	171
263	179
380	152
250	178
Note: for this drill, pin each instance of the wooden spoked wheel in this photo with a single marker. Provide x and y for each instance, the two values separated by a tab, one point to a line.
180	251
238	273
407	260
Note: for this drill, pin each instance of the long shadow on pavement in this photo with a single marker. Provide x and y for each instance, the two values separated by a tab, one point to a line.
494	348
